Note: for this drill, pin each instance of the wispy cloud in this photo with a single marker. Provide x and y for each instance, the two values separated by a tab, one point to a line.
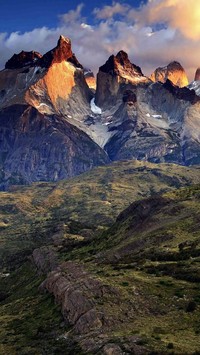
108	12
119	27
73	16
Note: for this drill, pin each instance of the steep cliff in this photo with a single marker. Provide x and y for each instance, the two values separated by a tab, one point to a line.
36	146
157	123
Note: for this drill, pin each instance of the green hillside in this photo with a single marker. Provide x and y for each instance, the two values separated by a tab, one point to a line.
30	215
140	272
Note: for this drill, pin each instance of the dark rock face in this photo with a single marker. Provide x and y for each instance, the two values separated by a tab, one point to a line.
37	147
22	59
181	93
129	97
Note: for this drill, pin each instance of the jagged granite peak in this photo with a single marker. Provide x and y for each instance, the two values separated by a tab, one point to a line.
62	52
22	59
114	77
197	75
52	83
120	65
173	71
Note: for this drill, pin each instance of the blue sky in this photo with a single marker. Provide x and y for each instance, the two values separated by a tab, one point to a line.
152	32
25	15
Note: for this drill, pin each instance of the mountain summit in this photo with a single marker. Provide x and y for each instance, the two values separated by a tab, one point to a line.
47	82
173	71
117	71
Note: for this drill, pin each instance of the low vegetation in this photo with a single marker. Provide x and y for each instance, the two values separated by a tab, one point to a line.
150	256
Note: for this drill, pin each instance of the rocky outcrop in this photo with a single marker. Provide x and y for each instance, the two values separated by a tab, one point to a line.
78	294
173	71
45	259
35	147
114	77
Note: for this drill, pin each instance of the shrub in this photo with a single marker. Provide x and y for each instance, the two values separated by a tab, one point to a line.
191	306
170	346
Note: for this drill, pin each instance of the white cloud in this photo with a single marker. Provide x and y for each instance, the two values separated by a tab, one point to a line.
183	15
134	32
109	11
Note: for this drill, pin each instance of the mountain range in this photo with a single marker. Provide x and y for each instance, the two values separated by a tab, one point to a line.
58	121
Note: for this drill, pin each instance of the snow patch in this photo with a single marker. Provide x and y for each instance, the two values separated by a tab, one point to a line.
42	104
106	124
157	116
94	108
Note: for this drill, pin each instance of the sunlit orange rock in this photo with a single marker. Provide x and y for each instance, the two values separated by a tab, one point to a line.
45	82
173	71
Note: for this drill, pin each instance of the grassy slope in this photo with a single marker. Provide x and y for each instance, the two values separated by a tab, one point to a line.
157	282
31	322
28	215
156	264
